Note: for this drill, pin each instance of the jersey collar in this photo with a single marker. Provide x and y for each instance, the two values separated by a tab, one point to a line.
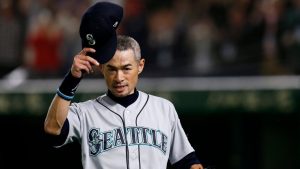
124	101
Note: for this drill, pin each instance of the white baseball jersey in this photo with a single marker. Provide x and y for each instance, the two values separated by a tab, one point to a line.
144	135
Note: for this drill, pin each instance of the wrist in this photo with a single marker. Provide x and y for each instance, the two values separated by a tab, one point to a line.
76	73
68	87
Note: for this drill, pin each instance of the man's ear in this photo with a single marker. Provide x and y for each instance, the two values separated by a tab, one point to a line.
141	65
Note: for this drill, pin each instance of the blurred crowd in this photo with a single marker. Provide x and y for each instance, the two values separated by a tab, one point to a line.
177	37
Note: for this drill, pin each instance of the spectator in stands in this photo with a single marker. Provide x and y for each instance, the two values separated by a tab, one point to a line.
11	35
43	55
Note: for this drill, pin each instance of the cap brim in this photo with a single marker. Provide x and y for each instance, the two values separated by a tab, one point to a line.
105	51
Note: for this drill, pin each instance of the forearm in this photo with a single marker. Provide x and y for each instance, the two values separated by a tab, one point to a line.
56	115
58	110
59	107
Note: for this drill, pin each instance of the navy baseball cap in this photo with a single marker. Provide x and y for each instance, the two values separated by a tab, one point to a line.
98	29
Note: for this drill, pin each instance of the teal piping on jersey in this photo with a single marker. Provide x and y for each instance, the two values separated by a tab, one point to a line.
136	123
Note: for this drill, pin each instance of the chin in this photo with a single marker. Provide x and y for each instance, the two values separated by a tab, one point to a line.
122	94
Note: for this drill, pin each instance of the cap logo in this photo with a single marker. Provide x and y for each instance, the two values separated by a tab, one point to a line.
90	39
115	24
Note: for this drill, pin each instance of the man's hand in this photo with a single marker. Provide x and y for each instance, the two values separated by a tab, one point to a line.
83	63
197	166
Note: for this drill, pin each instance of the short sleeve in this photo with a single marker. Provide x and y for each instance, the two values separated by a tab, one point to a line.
180	145
74	119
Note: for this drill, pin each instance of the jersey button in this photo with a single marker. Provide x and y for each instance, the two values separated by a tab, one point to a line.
134	154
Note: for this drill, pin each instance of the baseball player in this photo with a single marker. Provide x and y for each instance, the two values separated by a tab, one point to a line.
124	128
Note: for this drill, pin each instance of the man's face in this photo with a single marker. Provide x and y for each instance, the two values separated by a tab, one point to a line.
121	72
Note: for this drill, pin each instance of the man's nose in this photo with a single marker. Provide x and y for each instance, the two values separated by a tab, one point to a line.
119	76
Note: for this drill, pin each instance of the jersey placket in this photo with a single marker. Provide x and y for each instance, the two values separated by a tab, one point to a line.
129	118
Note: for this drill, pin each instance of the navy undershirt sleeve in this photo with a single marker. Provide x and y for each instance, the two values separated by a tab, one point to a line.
58	140
187	161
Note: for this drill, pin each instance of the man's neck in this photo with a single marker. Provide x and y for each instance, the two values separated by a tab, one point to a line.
124	101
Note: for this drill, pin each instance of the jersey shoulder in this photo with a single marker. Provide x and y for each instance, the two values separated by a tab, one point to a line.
158	99
87	103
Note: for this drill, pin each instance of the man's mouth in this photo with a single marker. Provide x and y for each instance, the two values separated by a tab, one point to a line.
119	87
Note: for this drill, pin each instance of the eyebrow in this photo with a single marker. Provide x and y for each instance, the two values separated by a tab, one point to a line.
114	67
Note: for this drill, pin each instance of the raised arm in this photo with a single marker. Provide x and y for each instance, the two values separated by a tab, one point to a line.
59	107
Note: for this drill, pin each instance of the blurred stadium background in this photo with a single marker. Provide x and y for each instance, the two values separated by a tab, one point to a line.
231	67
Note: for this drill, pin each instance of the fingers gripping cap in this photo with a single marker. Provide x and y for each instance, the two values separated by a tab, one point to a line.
98	29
